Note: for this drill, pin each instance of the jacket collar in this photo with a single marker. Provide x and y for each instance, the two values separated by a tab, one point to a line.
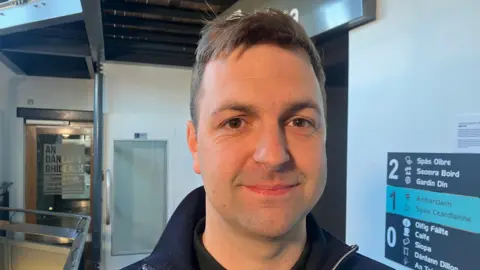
175	248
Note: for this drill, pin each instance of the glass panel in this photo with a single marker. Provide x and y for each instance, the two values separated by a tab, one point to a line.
63	176
139	196
27	256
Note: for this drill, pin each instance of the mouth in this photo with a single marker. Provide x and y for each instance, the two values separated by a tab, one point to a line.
273	190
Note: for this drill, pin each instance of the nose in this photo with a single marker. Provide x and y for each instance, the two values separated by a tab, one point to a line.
272	149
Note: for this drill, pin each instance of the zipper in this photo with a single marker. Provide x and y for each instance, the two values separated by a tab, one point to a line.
345	256
147	267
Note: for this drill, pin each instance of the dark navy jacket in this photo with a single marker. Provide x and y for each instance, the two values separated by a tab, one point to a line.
175	250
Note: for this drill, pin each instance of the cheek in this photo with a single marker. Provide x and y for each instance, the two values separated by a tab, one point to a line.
313	165
307	160
221	161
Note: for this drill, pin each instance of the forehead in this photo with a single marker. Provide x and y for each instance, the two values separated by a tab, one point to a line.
260	75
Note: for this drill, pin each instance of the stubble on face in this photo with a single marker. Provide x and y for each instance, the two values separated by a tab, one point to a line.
260	128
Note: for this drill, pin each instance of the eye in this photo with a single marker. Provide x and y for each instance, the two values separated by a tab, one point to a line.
234	123
301	123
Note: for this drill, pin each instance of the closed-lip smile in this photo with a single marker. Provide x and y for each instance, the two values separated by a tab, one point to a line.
272	190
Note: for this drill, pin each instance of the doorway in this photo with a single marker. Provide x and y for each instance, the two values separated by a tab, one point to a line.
58	174
136	187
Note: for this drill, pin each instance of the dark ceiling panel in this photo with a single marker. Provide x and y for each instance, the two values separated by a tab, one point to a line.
75	30
156	12
54	51
135	34
126	51
149	46
164	32
45	45
148	58
206	6
223	4
151	25
50	65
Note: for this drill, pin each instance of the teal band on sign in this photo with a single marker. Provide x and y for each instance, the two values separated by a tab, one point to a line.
451	210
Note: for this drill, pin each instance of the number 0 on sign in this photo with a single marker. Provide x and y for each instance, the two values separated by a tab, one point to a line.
391	236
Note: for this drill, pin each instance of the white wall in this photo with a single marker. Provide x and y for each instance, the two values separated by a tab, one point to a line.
54	93
154	100
5	75
410	73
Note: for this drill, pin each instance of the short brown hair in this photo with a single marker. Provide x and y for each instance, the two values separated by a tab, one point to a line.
220	37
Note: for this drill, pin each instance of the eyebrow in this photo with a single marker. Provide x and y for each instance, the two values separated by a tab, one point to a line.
294	107
239	107
289	109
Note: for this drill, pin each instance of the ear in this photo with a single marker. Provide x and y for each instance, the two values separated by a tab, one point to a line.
193	146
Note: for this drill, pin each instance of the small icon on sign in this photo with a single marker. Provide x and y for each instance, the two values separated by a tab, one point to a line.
405	261
406	232
405	251
407	196
408	180
407	223
408	160
408	170
407	208
406	241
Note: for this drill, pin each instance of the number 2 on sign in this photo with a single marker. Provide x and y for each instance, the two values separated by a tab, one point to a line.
392	174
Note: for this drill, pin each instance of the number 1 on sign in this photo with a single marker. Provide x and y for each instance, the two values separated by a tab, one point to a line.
392	195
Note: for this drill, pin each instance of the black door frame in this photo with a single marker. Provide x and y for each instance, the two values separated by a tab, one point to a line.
330	211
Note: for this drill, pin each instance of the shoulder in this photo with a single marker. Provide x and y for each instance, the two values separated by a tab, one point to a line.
361	262
336	253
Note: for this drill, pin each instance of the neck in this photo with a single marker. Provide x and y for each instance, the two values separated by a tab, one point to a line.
235	249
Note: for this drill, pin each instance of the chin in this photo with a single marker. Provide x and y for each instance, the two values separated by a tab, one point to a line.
271	226
273	232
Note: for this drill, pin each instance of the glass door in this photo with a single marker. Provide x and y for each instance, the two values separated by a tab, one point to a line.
58	172
135	209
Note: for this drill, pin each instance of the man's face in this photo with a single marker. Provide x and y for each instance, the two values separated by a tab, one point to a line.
260	139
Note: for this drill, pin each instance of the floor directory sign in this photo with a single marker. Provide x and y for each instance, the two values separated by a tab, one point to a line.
433	210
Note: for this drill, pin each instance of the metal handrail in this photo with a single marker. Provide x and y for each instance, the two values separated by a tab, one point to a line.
39	212
78	234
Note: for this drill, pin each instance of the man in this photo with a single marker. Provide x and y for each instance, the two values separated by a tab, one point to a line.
257	137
